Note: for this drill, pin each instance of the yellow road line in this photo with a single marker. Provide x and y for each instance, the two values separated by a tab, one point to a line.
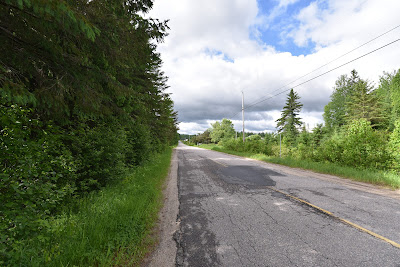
397	245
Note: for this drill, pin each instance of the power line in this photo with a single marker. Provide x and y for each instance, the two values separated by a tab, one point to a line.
267	98
345	54
260	101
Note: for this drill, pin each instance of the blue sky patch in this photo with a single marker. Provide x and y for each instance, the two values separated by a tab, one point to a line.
276	22
213	52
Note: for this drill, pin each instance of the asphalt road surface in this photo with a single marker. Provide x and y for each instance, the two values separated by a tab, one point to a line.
239	212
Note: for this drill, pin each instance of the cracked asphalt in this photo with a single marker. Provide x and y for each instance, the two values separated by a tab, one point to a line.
229	217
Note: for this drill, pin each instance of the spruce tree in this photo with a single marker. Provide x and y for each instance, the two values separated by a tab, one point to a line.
289	121
364	104
335	112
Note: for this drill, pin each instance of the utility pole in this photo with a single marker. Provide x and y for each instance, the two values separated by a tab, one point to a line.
243	113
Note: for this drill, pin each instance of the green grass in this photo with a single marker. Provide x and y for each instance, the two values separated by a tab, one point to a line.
389	179
112	227
209	146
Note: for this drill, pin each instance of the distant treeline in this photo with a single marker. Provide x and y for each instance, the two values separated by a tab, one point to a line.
361	129
82	100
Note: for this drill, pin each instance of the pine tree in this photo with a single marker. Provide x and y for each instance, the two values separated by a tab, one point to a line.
335	112
289	121
364	104
395	98
304	137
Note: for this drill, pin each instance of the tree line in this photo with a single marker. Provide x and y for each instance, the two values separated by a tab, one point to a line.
82	101
361	127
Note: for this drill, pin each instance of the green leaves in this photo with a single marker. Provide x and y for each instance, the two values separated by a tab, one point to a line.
33	168
335	112
222	130
81	100
394	145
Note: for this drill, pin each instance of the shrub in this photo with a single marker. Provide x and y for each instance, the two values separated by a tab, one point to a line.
138	144
230	144
302	151
363	146
285	150
254	145
394	146
331	149
99	151
37	174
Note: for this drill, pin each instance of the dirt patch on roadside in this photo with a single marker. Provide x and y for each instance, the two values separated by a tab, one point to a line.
165	252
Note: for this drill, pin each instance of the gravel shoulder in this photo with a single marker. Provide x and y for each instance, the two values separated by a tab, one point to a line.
165	252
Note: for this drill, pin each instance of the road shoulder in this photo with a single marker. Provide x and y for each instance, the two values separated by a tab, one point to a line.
165	252
365	187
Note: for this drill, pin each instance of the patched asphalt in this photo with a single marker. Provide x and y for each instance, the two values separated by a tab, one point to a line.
229	217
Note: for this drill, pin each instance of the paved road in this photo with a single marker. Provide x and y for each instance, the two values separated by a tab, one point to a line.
231	216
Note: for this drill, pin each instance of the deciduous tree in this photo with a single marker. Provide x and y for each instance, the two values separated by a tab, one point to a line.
222	130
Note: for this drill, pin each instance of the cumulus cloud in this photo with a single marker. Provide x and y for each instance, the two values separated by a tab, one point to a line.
210	58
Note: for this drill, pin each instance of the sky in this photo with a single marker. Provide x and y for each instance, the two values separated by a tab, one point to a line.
217	49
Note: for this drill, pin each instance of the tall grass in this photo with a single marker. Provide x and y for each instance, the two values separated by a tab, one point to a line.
111	227
378	177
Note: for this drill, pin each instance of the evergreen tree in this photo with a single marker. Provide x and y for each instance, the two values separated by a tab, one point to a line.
364	104
318	134
395	98
82	99
289	121
335	112
383	92
394	145
389	94
304	137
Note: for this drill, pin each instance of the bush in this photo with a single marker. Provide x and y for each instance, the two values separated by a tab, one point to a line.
394	146
363	146
331	149
230	144
254	145
100	153
37	174
302	151
138	144
284	150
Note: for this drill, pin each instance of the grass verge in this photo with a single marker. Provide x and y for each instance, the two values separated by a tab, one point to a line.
111	227
389	179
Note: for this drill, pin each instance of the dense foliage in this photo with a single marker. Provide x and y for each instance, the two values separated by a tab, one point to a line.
221	131
82	99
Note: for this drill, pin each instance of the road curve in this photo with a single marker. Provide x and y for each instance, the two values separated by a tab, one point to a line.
239	212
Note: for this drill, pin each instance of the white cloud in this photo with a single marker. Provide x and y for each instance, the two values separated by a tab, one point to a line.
285	3
328	22
198	25
206	87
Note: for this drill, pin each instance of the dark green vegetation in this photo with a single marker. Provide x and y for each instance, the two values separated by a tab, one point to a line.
360	139
290	121
109	227
82	104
